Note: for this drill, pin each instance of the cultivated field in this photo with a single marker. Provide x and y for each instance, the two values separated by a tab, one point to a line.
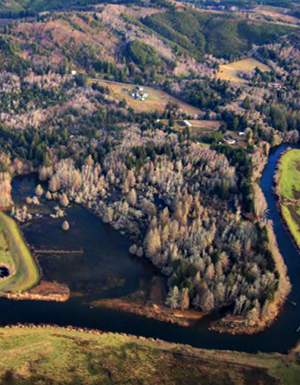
289	190
15	255
199	127
231	71
156	101
61	357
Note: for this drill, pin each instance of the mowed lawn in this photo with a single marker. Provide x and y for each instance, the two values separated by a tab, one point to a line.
289	187
231	71
57	356
156	101
15	254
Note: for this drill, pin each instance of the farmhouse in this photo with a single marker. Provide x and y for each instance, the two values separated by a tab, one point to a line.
138	94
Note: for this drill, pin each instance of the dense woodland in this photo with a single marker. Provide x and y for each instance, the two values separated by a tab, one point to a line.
190	202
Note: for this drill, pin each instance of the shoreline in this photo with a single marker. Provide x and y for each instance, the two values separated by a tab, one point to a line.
233	324
53	351
158	312
151	304
228	324
43	291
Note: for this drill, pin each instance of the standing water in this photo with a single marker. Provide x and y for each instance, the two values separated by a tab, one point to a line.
105	270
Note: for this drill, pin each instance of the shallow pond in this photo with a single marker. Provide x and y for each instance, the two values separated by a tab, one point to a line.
4	272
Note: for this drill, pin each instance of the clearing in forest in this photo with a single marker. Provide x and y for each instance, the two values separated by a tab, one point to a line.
276	13
15	255
155	101
232	70
289	190
198	127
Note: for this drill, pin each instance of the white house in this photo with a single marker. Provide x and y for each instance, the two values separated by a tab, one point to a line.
187	123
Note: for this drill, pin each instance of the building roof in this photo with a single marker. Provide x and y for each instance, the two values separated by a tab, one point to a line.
187	123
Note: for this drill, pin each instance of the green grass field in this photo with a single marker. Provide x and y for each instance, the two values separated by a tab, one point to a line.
289	187
15	254
289	183
58	356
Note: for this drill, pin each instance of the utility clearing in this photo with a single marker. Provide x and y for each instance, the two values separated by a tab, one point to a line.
234	70
16	257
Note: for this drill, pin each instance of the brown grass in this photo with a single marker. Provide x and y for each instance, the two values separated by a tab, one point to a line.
276	13
156	101
199	127
231	71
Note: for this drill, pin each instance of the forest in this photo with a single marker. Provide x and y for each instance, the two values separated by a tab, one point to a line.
222	36
189	201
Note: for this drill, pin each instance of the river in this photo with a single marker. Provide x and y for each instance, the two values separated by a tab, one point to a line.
105	270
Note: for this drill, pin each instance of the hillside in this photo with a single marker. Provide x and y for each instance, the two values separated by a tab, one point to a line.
59	356
221	35
17	6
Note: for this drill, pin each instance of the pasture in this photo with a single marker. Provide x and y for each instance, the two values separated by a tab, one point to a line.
156	101
232	70
198	128
59	356
278	14
289	190
15	255
289	183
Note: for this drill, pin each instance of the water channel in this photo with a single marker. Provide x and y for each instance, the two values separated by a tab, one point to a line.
106	270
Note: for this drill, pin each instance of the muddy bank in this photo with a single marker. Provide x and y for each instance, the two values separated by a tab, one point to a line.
44	291
151	304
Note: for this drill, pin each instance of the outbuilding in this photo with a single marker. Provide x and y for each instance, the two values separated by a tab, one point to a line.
187	123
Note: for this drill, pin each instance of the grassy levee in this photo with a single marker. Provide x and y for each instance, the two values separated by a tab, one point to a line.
289	191
16	256
59	356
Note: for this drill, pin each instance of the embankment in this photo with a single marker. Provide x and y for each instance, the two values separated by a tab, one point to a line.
51	354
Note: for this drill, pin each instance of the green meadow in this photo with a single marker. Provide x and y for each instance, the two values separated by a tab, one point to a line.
289	189
290	175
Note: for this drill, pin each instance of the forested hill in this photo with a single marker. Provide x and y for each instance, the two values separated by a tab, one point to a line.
34	6
219	34
16	6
